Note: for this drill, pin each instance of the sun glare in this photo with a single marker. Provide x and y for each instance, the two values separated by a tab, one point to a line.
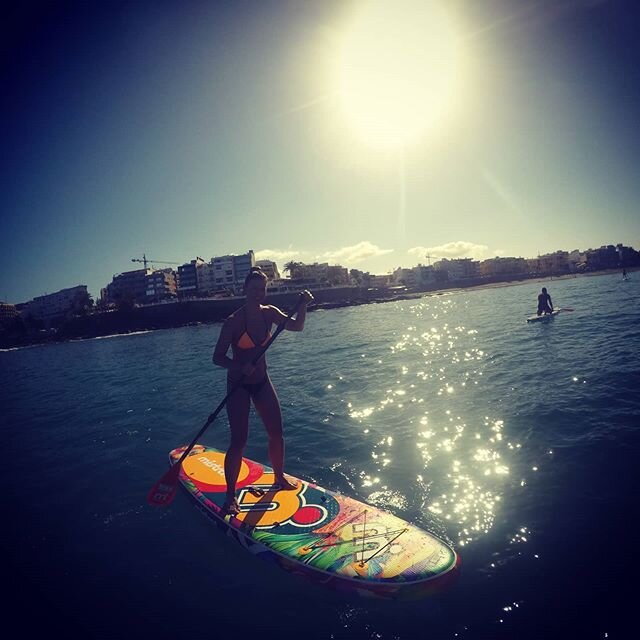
397	71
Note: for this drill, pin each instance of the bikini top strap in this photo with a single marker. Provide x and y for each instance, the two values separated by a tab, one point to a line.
246	326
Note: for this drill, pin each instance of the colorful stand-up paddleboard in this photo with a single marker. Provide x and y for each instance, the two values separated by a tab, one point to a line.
323	535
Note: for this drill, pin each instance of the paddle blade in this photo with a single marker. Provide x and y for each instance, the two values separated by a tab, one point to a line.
565	309
163	491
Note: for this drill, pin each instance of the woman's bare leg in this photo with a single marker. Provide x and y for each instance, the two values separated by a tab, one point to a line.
238	414
268	407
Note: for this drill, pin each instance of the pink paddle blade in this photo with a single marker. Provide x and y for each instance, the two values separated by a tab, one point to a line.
163	491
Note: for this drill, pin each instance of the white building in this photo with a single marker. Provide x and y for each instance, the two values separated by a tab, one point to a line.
458	268
56	305
503	266
269	268
226	273
417	277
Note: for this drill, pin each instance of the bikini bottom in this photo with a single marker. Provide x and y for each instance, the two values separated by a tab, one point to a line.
254	388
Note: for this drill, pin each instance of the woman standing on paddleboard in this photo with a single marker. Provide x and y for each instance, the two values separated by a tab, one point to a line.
246	331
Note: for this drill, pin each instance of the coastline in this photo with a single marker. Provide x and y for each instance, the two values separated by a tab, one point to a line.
211	311
474	287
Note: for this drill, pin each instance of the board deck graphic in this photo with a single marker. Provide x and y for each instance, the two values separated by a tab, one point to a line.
323	535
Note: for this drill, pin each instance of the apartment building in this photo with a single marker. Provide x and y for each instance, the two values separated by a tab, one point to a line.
458	268
129	285
405	276
269	268
58	305
242	264
8	313
418	277
500	266
161	285
605	257
380	280
555	263
189	278
628	255
577	261
337	275
225	273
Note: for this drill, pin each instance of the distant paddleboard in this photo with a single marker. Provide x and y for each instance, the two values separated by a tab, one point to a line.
328	537
545	317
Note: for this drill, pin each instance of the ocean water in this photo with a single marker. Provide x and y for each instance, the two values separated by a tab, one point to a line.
517	443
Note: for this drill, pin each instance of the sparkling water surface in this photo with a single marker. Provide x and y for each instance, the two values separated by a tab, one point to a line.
516	443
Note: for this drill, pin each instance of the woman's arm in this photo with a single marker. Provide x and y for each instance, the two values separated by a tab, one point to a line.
297	323
220	356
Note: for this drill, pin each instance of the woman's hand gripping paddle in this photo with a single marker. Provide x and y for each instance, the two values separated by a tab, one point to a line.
163	491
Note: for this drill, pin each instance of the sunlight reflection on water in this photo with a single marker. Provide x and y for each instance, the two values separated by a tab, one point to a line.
466	459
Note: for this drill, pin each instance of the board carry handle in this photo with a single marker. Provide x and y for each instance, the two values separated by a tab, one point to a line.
163	491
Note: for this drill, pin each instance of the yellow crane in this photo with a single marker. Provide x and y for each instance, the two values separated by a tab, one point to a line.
146	260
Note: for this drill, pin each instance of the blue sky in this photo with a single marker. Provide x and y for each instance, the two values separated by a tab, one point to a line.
179	129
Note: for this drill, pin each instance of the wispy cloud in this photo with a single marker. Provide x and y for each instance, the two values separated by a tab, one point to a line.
353	254
345	256
277	255
458	249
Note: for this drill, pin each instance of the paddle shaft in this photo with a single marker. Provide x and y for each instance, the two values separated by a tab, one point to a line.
562	309
236	386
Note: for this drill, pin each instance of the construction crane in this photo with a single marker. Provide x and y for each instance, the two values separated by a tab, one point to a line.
146	260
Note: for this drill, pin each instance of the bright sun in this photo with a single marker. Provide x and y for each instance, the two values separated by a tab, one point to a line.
397	71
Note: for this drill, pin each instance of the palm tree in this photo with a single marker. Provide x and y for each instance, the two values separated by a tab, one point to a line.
83	303
293	269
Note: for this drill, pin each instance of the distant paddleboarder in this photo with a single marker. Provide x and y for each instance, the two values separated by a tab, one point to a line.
544	302
246	331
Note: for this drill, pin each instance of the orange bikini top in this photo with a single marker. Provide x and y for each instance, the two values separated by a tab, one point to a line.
246	341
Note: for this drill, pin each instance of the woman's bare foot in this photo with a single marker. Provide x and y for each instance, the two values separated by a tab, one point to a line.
285	485
231	507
